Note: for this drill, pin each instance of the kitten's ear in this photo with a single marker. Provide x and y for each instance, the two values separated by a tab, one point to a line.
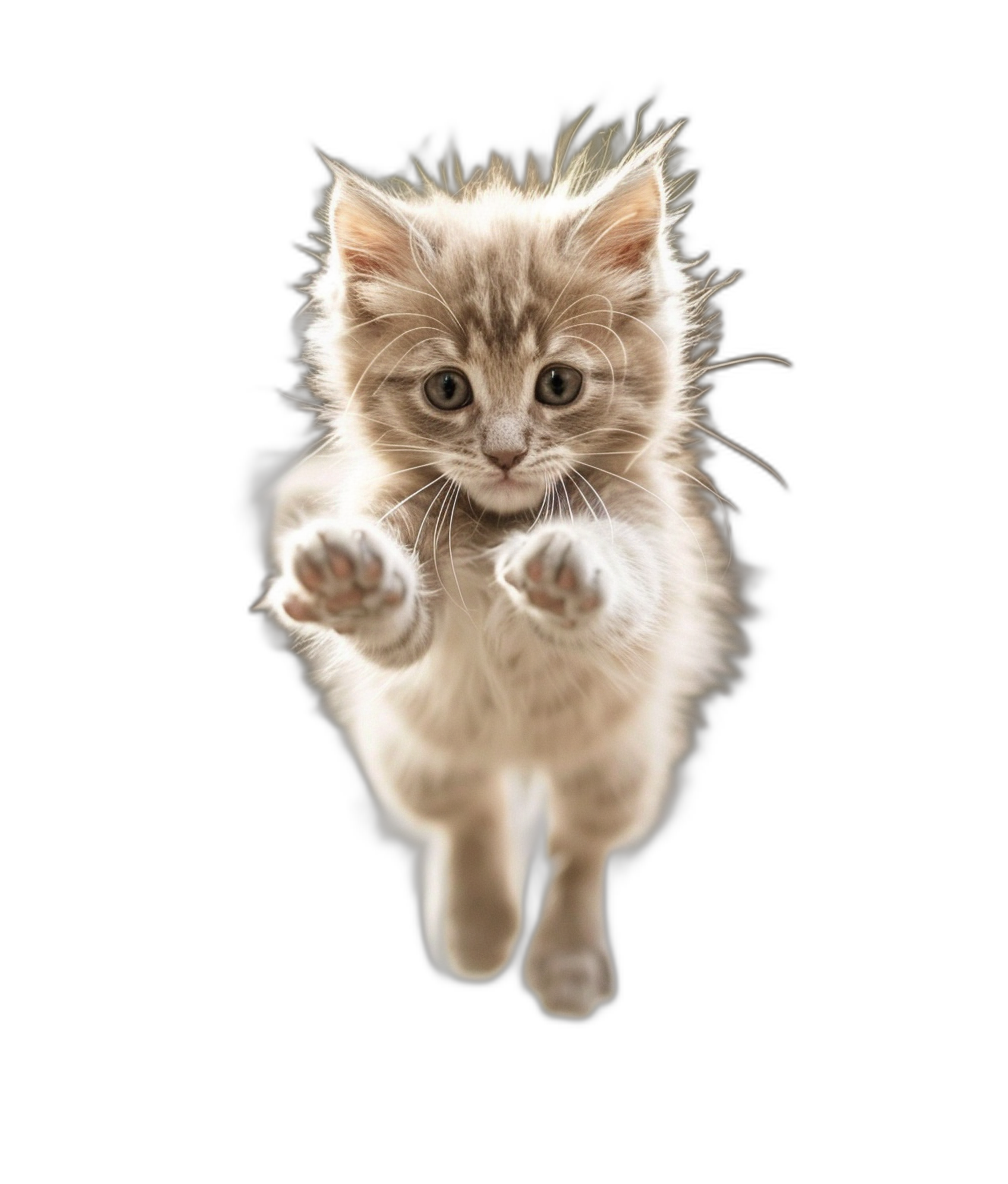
623	227
370	236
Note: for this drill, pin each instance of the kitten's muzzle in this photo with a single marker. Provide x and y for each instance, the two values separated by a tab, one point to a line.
505	458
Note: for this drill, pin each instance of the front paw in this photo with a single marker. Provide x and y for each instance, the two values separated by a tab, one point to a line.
557	575
346	578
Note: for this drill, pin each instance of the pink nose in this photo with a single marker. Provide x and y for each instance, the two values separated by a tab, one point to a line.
505	458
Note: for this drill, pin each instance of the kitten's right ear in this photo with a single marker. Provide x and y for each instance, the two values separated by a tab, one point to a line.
370	236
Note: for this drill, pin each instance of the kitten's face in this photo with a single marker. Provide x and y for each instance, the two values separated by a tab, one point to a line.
503	342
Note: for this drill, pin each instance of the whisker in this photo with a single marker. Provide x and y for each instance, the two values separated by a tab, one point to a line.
411	469
406	448
421	292
637	485
451	557
409	497
412	229
416	541
612	529
590	296
394	427
542	506
388	345
591	431
570	508
387	315
415	345
598	325
595	345
577	267
591	508
434	550
610	452
653	332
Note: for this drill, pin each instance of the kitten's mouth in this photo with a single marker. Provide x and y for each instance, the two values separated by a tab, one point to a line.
508	493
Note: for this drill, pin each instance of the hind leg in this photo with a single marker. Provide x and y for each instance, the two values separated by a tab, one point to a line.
594	807
473	912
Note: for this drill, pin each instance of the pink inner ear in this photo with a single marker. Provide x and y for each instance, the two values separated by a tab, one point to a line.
370	239
624	226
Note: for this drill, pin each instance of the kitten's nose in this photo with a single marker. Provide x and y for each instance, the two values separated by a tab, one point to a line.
505	458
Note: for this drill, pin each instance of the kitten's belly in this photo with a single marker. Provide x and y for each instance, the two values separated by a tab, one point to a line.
491	686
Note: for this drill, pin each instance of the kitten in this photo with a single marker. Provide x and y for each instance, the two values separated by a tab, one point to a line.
502	560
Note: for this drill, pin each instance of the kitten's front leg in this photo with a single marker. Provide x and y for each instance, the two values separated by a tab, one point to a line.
357	581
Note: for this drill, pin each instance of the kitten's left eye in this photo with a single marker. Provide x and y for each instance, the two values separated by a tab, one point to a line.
557	385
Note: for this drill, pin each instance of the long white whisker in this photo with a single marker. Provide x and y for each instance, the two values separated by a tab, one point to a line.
387	315
653	332
645	489
591	431
598	325
414	346
577	267
427	277
612	529
388	345
434	548
594	345
590	296
387	448
411	469
394	427
610	452
421	292
423	520
591	508
409	497
451	557
539	512
570	508
327	439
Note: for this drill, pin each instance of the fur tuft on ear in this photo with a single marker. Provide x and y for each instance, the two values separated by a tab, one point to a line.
622	227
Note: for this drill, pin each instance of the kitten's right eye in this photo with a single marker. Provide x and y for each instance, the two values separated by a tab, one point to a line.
448	390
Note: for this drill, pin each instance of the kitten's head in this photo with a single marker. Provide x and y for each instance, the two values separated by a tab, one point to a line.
504	335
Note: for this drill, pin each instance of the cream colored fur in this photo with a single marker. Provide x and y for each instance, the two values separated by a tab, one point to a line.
469	623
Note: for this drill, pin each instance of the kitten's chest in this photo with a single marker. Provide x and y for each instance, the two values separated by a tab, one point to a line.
493	680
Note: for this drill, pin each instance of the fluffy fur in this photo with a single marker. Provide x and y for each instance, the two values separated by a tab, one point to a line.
511	588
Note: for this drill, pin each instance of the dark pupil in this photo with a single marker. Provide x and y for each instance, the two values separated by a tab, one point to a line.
556	382
448	385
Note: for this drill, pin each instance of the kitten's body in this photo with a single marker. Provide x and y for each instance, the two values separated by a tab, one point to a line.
470	608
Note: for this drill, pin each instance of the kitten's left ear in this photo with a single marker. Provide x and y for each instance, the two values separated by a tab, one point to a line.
624	226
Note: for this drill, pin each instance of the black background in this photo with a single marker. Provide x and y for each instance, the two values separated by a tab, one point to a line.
296	924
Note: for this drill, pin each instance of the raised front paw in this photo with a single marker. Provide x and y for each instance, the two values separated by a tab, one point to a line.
345	578
557	572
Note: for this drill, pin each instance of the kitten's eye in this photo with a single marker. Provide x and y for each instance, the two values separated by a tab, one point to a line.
557	385
448	390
